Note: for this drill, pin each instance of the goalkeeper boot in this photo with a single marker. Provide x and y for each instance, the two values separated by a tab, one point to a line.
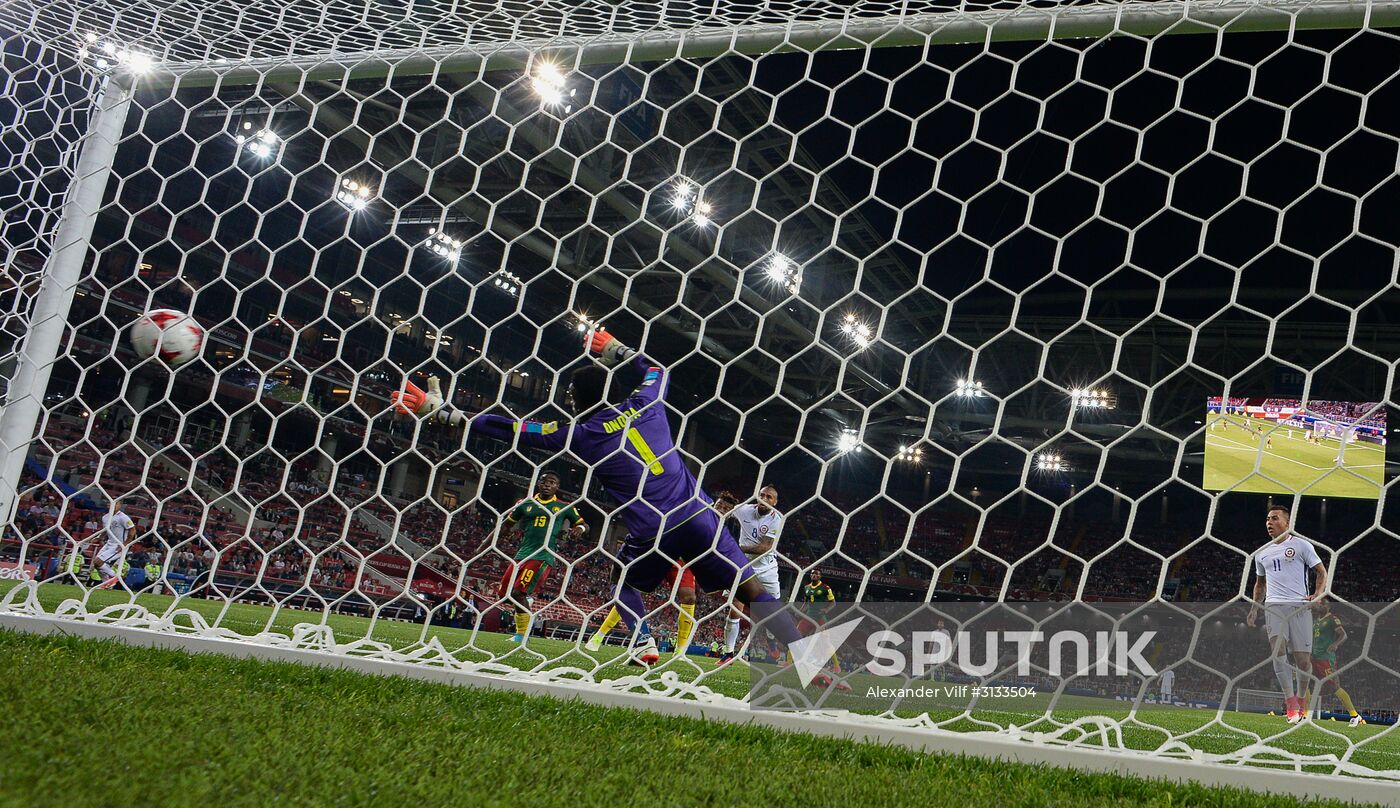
518	639
1356	721
644	653
595	645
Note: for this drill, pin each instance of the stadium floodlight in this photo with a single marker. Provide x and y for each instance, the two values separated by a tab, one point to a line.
1050	461
970	388
508	282
136	61
262	144
910	454
859	331
443	245
586	323
354	194
781	270
1093	398
688	199
703	215
552	86
848	441
682	193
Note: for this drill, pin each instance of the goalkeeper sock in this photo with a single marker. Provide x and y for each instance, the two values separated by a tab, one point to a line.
609	623
731	634
1346	702
685	626
779	624
632	607
522	623
1284	672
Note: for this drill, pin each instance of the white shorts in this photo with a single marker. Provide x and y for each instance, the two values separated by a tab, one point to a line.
111	551
1292	621
769	579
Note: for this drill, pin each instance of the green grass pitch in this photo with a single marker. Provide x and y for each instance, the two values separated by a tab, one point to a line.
1238	460
1149	728
98	723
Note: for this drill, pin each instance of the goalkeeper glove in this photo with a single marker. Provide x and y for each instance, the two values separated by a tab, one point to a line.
607	349
413	401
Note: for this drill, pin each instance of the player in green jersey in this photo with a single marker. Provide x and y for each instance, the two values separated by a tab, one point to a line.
1328	636
817	598
539	520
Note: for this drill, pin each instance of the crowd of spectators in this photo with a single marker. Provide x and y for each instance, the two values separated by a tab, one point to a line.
300	530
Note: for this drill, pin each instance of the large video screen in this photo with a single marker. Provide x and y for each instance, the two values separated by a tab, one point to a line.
1288	446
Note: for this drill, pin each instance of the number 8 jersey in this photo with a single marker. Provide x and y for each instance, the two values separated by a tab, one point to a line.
755	528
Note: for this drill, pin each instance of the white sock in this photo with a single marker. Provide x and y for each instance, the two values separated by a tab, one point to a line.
1284	671
731	633
107	571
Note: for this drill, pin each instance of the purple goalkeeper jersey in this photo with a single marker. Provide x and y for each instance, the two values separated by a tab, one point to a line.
631	450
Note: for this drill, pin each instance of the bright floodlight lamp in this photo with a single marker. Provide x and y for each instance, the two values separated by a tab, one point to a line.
970	388
1093	398
859	332
263	144
508	282
443	245
681	194
848	441
354	194
552	86
780	269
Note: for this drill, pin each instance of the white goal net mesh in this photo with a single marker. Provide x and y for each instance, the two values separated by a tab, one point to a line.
1008	301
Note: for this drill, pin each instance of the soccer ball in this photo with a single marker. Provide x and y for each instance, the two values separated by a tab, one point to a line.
173	334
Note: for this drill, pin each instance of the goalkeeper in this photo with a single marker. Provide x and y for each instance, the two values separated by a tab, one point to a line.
633	454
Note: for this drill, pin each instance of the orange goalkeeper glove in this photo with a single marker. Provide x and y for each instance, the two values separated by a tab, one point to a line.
413	401
606	348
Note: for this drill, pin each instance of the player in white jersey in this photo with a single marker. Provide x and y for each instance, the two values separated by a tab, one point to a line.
1282	587
118	531
759	526
1167	680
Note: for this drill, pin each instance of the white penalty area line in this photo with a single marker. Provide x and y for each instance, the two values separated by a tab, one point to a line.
850	727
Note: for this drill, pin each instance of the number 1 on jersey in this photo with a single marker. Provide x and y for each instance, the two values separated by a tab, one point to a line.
648	456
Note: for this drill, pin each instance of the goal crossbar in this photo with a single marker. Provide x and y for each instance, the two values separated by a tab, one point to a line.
943	28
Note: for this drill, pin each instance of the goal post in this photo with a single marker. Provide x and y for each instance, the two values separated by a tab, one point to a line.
1000	304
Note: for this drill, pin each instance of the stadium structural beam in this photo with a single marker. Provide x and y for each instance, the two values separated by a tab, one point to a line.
1096	20
62	273
1023	748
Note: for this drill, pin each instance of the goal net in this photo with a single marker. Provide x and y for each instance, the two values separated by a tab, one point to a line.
1008	303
